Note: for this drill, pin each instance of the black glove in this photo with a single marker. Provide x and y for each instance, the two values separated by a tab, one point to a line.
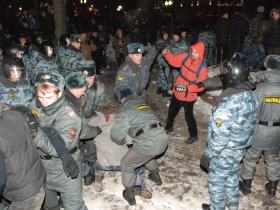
205	162
99	130
70	166
31	119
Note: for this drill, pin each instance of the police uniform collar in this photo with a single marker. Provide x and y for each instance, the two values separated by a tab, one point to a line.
74	49
7	83
229	92
53	108
72	99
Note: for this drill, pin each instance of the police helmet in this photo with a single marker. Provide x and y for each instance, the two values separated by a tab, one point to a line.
64	40
236	71
38	38
47	49
10	64
14	51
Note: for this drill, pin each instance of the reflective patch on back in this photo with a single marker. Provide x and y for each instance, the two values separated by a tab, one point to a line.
143	107
119	78
272	100
11	95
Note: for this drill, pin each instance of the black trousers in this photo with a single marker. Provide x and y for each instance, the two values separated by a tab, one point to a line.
222	52
174	108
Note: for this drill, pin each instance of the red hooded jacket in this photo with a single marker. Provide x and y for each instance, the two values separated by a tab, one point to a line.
192	72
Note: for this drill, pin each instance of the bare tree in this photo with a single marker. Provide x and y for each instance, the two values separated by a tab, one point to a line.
59	17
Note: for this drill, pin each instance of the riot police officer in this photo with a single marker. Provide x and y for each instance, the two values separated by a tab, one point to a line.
266	136
70	59
230	130
14	89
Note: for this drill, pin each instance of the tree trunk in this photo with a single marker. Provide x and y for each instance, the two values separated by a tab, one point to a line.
59	17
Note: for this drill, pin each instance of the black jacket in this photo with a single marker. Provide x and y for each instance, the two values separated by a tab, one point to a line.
24	170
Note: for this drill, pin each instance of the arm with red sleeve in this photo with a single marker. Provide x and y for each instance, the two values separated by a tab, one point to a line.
193	88
175	60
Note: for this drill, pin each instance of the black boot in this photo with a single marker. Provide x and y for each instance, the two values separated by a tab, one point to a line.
165	93
128	194
191	139
155	177
245	186
159	91
271	188
89	178
205	206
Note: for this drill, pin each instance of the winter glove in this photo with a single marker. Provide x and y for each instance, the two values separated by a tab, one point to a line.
31	119
99	130
70	166
205	162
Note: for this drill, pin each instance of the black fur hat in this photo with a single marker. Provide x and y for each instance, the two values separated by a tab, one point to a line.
272	62
76	80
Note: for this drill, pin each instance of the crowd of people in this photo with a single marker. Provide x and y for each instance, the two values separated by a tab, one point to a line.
59	131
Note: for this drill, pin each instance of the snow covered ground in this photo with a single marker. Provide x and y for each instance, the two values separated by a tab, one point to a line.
184	183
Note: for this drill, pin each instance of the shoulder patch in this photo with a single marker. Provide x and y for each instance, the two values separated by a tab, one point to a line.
143	107
218	122
272	100
72	134
70	112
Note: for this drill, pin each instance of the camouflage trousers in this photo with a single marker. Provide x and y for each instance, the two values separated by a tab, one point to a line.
272	164
223	183
163	80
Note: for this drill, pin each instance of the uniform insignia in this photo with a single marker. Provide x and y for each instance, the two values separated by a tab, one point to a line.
46	77
36	113
143	107
72	133
272	100
72	114
218	122
119	78
11	95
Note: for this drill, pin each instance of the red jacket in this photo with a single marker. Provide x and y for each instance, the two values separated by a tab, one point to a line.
191	72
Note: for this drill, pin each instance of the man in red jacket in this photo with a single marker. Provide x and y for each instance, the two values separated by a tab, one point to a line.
185	90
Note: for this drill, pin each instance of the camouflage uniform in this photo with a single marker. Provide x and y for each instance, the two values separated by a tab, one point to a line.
163	81
29	61
45	65
135	77
69	60
255	53
230	130
12	94
209	40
